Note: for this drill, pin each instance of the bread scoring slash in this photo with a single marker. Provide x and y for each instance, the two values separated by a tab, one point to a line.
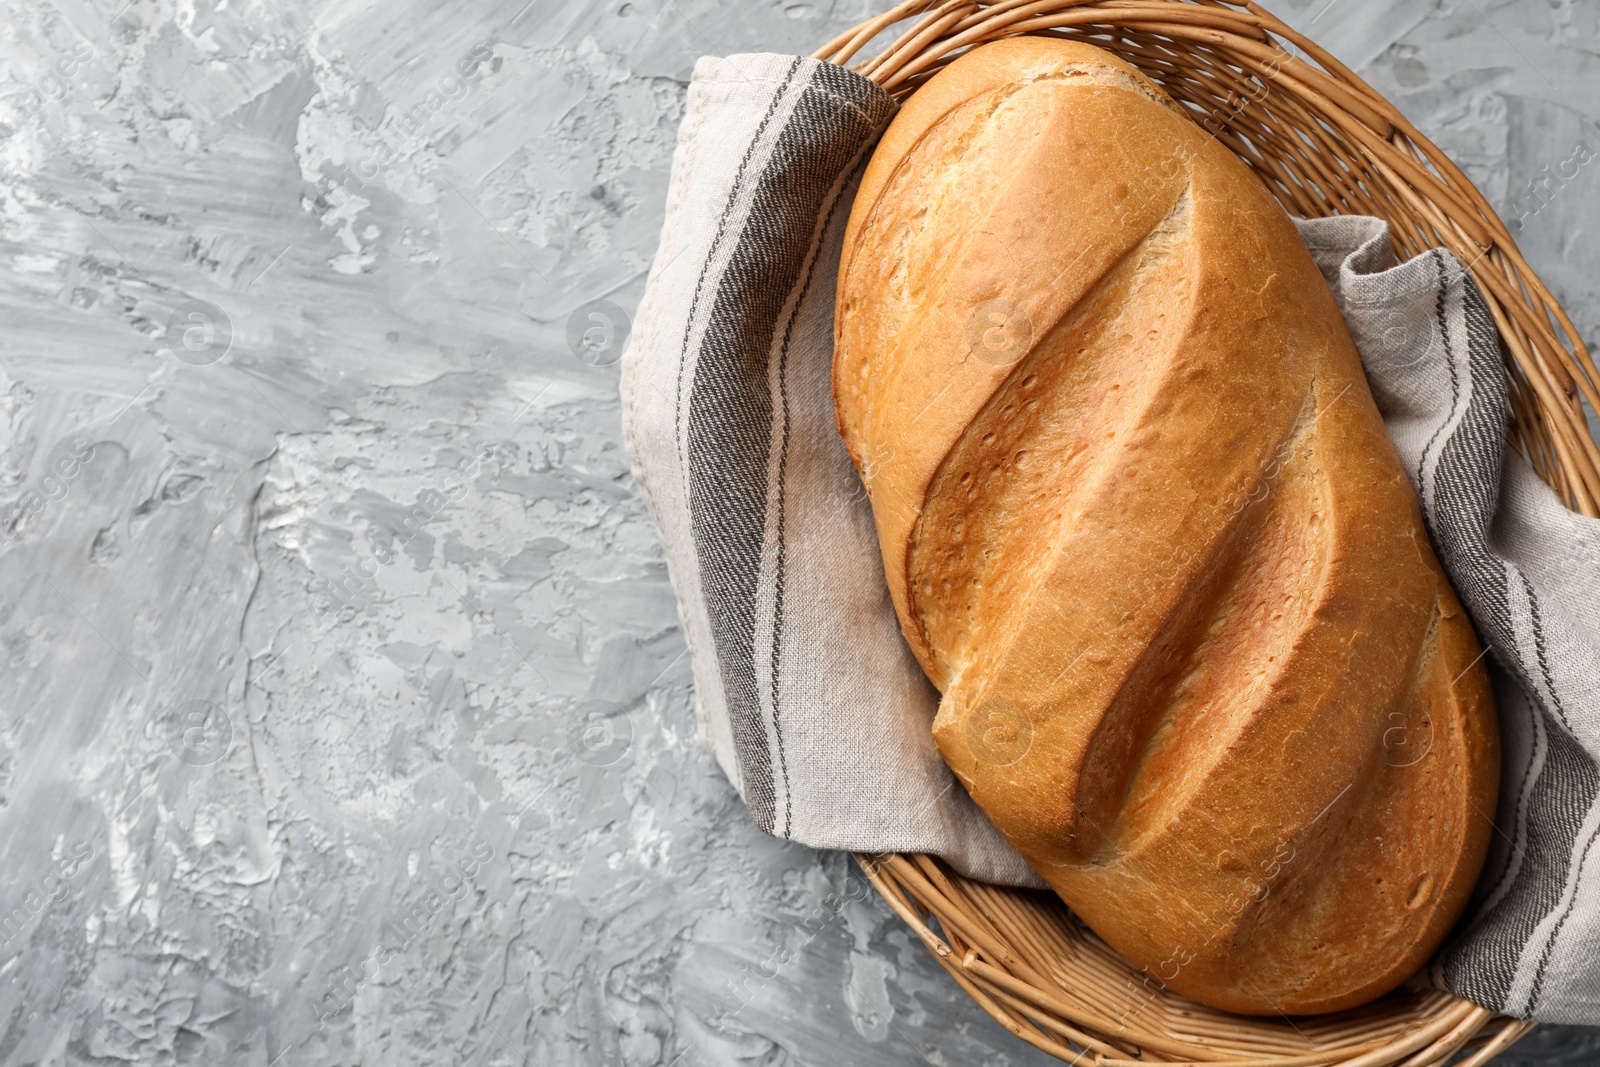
1146	533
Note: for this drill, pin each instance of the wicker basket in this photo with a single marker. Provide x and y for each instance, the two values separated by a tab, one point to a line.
1324	143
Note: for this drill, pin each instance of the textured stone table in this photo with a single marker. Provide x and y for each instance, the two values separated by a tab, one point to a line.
321	554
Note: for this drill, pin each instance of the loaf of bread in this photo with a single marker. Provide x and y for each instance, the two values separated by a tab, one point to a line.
1145	532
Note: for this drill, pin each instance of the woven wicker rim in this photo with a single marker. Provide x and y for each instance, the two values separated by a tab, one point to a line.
1048	979
1325	143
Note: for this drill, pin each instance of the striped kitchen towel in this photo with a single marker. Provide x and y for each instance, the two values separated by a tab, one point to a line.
806	693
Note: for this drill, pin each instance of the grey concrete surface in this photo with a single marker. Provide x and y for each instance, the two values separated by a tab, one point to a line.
343	712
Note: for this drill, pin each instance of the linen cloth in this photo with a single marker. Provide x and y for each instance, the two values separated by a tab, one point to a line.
806	693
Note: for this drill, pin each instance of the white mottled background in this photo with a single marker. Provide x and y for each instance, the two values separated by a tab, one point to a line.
343	716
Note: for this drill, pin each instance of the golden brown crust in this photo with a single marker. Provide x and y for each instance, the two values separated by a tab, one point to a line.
1144	529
